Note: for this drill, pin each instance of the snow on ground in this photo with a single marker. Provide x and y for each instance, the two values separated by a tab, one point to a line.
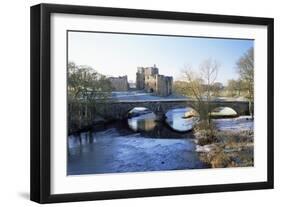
205	148
241	123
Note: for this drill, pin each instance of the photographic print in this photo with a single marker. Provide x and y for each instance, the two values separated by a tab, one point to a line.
149	102
130	103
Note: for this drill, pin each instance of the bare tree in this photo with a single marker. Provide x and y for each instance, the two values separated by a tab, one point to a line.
235	87
245	67
209	72
200	85
86	89
86	83
217	89
232	87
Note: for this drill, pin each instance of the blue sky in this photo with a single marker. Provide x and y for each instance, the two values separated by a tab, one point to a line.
121	54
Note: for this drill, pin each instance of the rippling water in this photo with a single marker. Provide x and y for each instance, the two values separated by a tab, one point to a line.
138	145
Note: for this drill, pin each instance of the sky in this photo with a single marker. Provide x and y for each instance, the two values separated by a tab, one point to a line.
120	54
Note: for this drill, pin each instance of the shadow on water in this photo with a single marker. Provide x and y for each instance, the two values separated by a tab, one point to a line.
156	129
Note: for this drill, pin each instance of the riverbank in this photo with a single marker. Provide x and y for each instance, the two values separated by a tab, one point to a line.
226	143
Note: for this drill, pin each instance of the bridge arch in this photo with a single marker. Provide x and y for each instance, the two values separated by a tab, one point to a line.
241	108
138	110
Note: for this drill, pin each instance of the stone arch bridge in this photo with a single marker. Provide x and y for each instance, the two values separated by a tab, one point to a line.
120	109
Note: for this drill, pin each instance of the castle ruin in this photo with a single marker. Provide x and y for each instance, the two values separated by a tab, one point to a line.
148	79
119	83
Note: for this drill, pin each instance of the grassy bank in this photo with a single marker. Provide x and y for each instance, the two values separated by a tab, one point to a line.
227	148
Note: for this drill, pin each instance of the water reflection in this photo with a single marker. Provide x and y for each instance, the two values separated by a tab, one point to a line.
144	122
182	119
80	139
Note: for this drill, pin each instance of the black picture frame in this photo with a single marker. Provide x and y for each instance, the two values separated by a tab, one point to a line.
41	98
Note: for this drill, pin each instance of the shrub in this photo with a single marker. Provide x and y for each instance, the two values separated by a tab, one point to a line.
205	132
220	159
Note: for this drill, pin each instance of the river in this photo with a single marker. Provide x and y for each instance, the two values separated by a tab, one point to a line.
138	144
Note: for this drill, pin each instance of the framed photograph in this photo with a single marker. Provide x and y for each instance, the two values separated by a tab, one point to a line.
133	103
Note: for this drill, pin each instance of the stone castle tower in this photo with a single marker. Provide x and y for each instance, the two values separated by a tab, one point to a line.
148	79
119	83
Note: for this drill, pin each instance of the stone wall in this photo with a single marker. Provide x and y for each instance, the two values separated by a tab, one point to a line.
119	83
140	78
164	85
150	84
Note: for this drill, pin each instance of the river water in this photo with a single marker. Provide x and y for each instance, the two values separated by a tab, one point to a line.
138	144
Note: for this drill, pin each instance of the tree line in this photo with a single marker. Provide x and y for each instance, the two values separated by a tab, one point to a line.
85	84
202	85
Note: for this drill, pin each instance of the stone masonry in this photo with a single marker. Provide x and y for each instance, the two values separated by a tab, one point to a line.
149	79
119	83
